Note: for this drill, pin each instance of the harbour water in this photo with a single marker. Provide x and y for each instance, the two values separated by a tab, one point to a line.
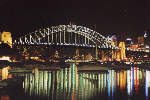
71	84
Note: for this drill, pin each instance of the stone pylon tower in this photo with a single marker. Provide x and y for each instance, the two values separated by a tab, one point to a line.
6	38
122	50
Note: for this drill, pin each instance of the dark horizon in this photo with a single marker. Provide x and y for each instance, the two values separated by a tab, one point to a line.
128	18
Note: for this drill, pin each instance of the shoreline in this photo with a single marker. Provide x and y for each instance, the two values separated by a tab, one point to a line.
89	65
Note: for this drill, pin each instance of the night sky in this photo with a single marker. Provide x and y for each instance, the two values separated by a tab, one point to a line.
122	17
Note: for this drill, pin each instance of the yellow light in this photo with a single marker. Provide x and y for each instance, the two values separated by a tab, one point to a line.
5	73
5	58
6	38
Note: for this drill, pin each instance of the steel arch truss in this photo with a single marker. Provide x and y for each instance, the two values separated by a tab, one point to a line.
66	35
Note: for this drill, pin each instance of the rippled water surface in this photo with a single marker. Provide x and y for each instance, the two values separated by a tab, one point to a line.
71	84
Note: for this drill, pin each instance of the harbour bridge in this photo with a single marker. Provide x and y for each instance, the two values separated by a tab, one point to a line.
66	35
70	36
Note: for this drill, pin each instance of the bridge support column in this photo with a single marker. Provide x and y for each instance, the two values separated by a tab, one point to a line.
103	56
56	37
64	36
88	41
48	38
60	37
77	53
75	38
85	39
89	57
52	38
96	51
48	35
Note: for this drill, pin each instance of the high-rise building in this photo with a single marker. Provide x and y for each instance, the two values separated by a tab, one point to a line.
140	41
146	38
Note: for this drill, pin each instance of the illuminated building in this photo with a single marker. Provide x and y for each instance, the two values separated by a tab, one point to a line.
145	35
128	42
6	38
114	38
141	41
147	48
146	41
146	38
112	55
5	58
5	73
135	47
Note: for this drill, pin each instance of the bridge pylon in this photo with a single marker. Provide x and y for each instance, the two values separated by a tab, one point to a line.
96	52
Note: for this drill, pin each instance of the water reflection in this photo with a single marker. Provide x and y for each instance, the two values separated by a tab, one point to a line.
4	97
69	84
147	83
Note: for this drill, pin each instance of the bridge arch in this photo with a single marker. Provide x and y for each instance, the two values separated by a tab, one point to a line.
66	35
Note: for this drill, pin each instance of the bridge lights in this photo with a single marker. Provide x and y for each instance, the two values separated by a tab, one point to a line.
80	30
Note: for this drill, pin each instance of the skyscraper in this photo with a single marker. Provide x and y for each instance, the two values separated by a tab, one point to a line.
140	41
146	38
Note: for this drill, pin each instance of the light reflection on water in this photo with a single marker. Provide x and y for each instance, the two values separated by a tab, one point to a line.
69	84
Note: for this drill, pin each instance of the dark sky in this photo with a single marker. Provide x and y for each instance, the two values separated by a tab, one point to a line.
123	17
